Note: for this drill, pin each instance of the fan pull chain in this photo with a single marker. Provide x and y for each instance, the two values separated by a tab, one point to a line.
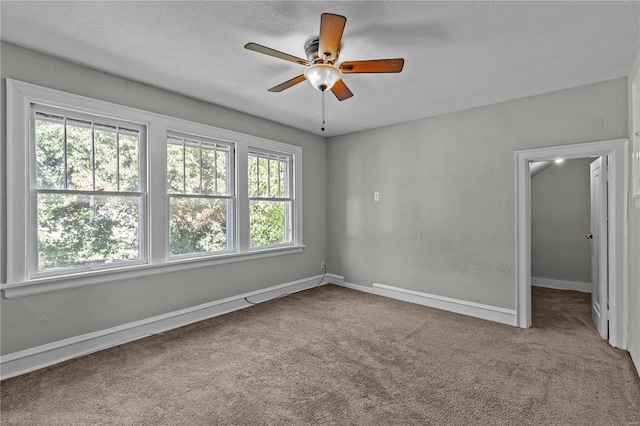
322	128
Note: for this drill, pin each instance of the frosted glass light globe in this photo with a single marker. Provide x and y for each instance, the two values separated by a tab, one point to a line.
323	76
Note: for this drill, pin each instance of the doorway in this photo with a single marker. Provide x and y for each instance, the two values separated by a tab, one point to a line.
616	152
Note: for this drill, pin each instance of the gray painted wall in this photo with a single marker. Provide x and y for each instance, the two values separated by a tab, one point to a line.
560	216
35	320
445	221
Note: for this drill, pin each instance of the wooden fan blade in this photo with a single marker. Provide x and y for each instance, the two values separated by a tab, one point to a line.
341	90
331	29
275	53
288	83
372	66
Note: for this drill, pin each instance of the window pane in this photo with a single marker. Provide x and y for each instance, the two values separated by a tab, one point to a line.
198	225
253	175
284	178
129	160
274	178
223	164
268	175
49	152
209	171
263	176
106	158
87	230
192	167
79	155
268	222
175	170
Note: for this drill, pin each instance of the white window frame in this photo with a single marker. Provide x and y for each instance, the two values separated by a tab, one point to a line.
231	177
242	179
289	220
20	95
34	191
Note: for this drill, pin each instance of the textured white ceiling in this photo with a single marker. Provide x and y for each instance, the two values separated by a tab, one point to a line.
458	55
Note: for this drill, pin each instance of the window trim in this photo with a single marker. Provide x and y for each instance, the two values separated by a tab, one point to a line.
18	283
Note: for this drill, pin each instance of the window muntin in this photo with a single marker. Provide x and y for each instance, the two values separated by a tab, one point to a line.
88	201
201	192
270	198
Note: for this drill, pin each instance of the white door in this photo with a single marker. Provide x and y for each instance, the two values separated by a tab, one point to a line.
599	240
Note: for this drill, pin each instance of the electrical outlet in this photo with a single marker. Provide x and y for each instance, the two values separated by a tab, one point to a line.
376	196
323	265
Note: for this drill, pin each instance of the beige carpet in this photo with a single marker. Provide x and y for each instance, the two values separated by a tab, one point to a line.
336	356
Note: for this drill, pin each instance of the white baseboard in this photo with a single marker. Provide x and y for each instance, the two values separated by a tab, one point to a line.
561	284
31	359
477	310
334	279
363	288
339	281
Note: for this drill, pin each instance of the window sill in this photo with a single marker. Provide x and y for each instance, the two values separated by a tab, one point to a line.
63	282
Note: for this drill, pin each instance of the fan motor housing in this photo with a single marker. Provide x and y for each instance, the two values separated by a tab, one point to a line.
311	50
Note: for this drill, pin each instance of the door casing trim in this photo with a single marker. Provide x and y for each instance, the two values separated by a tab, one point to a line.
617	152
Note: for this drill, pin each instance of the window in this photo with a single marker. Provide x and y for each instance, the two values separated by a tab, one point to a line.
99	192
270	198
89	204
200	184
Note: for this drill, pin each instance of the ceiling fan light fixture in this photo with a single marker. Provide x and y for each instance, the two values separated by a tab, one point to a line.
322	56
322	76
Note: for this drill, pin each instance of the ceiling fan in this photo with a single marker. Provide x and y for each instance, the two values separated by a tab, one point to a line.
322	55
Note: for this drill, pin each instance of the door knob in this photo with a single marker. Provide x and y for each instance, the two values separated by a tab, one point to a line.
589	235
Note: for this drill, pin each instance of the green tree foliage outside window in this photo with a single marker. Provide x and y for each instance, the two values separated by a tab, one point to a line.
79	230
